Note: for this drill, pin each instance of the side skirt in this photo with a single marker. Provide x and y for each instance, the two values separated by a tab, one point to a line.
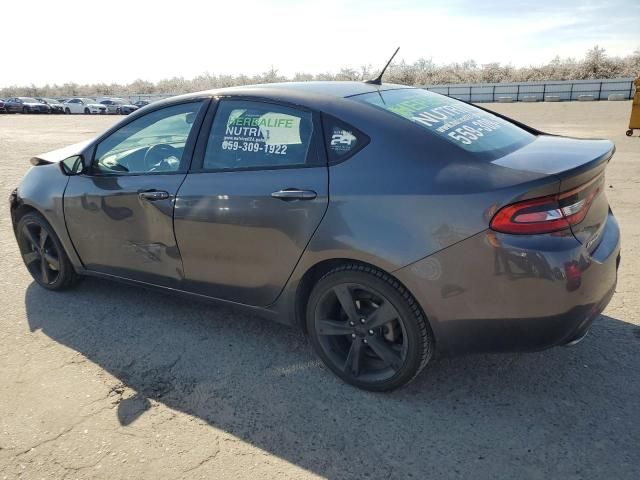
269	314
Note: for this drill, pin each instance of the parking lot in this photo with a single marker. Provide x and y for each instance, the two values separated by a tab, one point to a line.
110	381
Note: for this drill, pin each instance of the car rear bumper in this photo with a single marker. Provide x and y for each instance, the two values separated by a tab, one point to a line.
498	292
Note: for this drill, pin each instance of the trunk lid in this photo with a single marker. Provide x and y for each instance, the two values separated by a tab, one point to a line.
575	162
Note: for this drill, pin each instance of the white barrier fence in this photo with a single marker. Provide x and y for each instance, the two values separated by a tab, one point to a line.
581	90
574	90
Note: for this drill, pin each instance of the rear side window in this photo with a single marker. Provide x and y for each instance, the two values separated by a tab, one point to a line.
249	134
462	124
341	139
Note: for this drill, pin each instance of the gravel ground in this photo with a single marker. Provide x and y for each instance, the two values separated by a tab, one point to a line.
109	381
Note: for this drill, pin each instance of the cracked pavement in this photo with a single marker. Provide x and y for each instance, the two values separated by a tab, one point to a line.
112	381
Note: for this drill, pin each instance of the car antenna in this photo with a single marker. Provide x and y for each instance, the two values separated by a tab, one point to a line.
378	79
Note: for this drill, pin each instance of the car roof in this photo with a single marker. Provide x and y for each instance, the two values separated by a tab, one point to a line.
311	94
330	88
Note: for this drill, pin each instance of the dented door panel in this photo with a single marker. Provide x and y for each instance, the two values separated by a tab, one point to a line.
117	231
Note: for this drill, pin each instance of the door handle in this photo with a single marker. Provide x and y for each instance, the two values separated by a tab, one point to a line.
294	194
153	195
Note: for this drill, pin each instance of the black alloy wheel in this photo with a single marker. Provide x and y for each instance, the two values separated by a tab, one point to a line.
43	254
367	328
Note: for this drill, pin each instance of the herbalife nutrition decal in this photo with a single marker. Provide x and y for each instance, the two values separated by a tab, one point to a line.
460	122
269	132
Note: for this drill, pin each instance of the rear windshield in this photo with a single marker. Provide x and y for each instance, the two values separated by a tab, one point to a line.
462	124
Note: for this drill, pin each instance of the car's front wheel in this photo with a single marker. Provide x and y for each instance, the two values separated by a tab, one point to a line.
87	111
25	110
43	253
367	328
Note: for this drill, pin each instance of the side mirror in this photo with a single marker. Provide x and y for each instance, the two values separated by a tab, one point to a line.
72	165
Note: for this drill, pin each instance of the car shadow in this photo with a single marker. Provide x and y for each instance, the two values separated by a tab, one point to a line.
565	412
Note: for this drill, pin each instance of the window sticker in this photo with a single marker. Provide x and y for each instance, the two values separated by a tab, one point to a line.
342	141
247	134
465	125
280	129
270	132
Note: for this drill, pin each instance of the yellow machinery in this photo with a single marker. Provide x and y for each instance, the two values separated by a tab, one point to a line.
634	121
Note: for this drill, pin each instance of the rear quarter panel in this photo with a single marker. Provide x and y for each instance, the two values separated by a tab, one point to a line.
407	195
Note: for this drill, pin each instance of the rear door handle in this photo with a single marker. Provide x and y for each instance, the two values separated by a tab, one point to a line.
153	195
294	194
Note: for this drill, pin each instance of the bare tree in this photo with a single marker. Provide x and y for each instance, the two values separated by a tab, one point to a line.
595	64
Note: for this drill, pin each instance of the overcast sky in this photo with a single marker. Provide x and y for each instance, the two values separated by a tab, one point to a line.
119	41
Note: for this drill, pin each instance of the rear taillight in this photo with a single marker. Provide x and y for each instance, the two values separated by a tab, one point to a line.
548	214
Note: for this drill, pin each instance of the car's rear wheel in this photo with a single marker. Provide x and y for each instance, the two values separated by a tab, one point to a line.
43	253
25	110
367	328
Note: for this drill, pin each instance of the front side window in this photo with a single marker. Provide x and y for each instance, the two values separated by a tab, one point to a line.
248	134
464	125
153	143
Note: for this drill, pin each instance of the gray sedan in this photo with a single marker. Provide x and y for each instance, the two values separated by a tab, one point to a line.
386	222
118	106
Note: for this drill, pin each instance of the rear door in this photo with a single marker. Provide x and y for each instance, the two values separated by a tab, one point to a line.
120	214
256	194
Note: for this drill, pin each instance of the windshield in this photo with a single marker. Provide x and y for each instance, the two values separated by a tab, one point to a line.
29	100
88	100
51	101
462	124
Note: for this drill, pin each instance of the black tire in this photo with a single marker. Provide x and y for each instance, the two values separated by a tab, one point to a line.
361	348
25	110
629	132
67	111
87	111
118	111
43	254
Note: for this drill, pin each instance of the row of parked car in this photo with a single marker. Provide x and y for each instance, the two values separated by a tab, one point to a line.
69	105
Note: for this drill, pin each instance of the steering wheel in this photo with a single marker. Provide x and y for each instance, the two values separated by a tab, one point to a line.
158	154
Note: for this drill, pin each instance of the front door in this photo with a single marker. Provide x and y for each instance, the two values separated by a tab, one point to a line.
248	209
120	214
